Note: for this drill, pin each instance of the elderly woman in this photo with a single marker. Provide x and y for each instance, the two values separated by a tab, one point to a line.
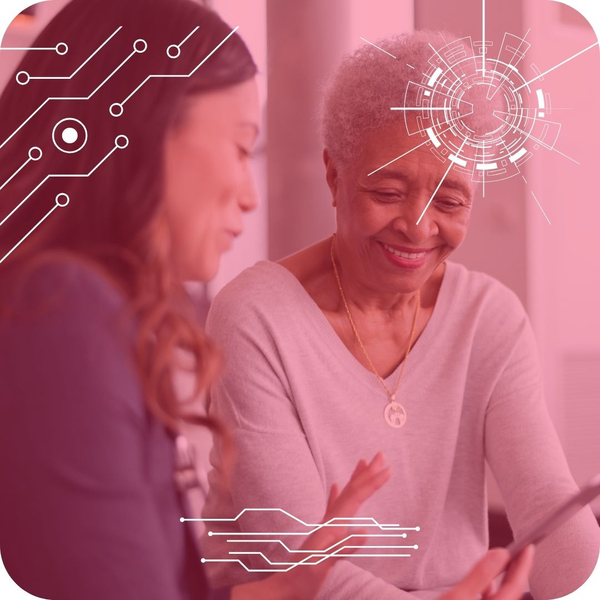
373	340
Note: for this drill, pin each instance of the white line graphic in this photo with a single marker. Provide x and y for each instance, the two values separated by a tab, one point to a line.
86	61
440	184
483	46
63	98
121	142
378	48
15	173
137	89
427	141
564	62
174	50
543	211
30	232
60	49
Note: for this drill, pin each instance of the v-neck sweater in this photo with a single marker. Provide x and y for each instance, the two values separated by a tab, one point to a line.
302	410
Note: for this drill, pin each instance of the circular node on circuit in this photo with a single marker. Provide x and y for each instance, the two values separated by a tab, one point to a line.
174	51
62	200
23	78
70	135
116	109
121	142
35	153
140	46
61	49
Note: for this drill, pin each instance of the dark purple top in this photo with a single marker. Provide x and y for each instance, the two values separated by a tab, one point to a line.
88	508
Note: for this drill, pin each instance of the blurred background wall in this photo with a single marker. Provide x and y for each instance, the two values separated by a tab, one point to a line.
554	269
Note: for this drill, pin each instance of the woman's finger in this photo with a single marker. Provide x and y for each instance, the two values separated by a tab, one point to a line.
515	581
364	474
360	466
490	591
355	494
334	494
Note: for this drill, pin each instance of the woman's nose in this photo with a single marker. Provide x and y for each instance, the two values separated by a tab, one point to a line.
417	221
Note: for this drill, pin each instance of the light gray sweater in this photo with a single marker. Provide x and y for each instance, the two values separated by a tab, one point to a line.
302	411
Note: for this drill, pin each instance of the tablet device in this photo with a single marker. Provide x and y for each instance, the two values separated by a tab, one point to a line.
562	514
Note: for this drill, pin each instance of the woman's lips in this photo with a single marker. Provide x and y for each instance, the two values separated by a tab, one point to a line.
229	236
407	258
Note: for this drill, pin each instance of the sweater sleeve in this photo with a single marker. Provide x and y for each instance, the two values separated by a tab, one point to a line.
78	516
528	462
274	466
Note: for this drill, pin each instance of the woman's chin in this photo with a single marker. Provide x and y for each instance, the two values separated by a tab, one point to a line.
202	270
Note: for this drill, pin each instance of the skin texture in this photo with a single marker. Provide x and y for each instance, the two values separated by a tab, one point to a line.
385	207
208	181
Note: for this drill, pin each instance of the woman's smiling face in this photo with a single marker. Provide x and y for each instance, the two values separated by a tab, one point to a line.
390	223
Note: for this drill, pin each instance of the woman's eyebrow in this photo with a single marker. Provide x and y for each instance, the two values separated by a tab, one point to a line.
458	186
389	174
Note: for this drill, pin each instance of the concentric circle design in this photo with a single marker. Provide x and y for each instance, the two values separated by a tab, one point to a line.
70	136
483	115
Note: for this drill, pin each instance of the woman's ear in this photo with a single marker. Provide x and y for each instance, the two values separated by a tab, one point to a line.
331	175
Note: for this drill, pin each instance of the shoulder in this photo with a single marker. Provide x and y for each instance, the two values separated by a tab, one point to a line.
484	312
66	337
261	294
483	294
58	287
77	281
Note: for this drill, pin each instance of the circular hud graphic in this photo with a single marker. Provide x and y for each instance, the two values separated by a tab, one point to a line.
480	112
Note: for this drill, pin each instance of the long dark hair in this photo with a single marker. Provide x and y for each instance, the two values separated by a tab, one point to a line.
114	220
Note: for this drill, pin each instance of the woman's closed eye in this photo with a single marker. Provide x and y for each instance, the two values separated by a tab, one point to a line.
448	204
388	196
245	153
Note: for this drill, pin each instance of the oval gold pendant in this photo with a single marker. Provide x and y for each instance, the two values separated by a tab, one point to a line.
395	415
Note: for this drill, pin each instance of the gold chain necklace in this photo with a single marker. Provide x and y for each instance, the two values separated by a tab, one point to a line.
394	414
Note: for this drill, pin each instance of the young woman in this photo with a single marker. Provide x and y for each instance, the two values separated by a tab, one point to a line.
114	192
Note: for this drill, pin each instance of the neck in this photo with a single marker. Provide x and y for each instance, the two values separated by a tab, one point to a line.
363	296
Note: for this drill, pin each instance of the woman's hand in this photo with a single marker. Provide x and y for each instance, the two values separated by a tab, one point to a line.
303	582
480	581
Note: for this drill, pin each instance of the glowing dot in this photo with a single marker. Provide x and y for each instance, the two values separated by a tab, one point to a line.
416	546
417	528
202	560
210	533
181	519
70	135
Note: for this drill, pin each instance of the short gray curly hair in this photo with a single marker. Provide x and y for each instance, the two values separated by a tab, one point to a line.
358	97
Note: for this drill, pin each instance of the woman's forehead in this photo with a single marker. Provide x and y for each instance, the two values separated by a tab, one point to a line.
390	153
